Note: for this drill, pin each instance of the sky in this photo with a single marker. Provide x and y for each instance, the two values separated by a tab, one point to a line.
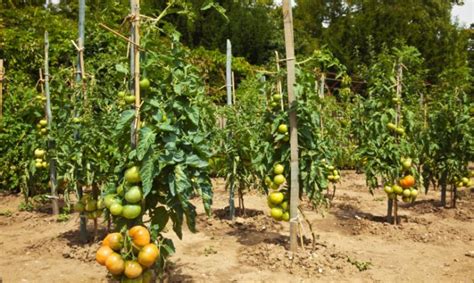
464	13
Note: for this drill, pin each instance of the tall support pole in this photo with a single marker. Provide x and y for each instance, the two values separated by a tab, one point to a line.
228	78
80	80
49	117
291	80
228	72
279	85
135	66
1	88
398	121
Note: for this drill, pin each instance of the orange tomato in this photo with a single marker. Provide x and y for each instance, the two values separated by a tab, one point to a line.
133	269
140	235
407	182
148	255
102	254
115	264
114	241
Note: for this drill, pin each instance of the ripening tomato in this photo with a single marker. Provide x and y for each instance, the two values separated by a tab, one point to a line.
407	182
102	254
132	269
115	264
113	241
148	255
140	235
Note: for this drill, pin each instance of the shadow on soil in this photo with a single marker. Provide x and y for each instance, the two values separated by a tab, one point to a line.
223	213
73	237
174	273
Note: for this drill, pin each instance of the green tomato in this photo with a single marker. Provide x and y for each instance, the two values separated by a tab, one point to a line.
278	169
100	204
145	84
283	129
407	163
413	193
121	94
110	199
43	122
133	195
397	189
116	209
276	213
268	181
391	126
131	211
276	197
279	179
120	190
132	175
39	153
130	99
284	205
406	193
400	131
388	189
276	97
286	216
465	181
91	205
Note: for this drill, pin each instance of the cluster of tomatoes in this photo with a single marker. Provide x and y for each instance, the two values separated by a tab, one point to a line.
278	199
394	128
129	256
130	98
465	181
332	173
42	127
90	205
126	201
405	186
275	101
40	162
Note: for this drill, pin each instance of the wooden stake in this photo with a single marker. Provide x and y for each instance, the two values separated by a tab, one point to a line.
1	88
80	79
135	7
49	117
233	87
291	80
279	85
398	121
228	79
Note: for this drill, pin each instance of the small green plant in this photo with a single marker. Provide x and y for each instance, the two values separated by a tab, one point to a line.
361	265
25	206
63	217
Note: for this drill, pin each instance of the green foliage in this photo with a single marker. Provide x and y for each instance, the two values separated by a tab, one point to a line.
379	148
448	136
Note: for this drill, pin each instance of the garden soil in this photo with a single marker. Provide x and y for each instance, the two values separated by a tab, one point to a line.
347	242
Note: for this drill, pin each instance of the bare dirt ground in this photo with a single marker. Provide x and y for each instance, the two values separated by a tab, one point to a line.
353	243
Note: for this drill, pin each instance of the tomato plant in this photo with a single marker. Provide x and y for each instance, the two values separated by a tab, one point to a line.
385	123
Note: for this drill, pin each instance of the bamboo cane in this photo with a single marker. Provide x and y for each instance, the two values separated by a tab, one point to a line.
291	80
80	79
49	116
